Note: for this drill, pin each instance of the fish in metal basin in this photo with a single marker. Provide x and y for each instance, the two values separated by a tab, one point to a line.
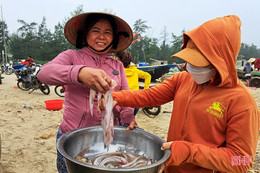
116	160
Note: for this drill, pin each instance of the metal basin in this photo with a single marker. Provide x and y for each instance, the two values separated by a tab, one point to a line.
136	141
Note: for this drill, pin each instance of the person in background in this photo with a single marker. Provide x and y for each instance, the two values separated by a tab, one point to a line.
30	61
214	125
95	35
257	65
252	61
248	69
132	73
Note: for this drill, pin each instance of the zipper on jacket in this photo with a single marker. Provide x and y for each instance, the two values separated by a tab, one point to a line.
82	118
186	114
99	61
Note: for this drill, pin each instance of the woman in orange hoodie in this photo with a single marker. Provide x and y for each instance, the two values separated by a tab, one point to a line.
214	125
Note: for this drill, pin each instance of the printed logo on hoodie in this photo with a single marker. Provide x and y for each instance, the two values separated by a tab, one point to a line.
216	109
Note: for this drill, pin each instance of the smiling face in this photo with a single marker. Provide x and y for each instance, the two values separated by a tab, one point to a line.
100	36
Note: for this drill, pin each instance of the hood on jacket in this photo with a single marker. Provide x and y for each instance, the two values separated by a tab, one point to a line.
219	40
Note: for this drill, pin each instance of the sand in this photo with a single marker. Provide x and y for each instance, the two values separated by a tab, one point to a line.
22	129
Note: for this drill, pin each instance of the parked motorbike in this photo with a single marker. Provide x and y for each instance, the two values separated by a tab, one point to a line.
27	80
7	69
60	90
151	111
1	77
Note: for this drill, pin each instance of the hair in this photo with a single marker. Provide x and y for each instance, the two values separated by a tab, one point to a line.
125	57
90	21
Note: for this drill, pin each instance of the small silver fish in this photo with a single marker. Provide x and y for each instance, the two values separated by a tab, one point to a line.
117	160
113	160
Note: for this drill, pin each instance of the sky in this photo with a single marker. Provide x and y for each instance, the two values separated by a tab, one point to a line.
172	15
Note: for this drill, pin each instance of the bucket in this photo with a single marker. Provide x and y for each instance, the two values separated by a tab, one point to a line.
56	104
137	141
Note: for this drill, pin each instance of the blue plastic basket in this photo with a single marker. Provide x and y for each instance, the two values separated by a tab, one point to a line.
18	67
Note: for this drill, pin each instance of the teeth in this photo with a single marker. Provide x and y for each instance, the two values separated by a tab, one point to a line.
101	43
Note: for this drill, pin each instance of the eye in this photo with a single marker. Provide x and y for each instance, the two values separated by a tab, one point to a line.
108	32
95	30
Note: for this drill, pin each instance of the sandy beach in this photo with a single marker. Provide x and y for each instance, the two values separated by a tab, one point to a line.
28	134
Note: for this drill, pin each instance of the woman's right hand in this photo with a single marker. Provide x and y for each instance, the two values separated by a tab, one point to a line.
95	79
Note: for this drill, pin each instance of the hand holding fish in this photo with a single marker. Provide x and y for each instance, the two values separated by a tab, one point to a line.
95	79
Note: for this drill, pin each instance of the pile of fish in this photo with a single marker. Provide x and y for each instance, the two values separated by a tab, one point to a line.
107	121
116	160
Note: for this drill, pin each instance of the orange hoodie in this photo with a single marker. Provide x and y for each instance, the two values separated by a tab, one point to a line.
214	128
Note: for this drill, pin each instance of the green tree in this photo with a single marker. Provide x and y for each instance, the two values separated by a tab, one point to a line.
28	33
138	48
176	44
164	48
249	51
16	47
151	49
45	39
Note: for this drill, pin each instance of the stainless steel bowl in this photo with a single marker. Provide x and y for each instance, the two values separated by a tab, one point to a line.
136	141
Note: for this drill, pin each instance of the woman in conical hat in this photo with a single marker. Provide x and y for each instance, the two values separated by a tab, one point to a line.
94	34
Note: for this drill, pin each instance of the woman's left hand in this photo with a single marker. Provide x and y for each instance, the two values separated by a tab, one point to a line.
132	125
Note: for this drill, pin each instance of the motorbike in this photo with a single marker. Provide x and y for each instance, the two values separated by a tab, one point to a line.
151	111
60	90
7	69
1	77
27	80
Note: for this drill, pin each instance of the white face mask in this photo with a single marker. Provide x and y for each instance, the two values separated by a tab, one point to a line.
200	74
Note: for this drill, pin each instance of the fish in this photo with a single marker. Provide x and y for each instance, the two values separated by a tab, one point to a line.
92	95
116	160
107	121
83	159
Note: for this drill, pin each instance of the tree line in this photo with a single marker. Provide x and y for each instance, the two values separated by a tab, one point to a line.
36	40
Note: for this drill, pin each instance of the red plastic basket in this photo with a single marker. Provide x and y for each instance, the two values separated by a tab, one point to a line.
54	104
